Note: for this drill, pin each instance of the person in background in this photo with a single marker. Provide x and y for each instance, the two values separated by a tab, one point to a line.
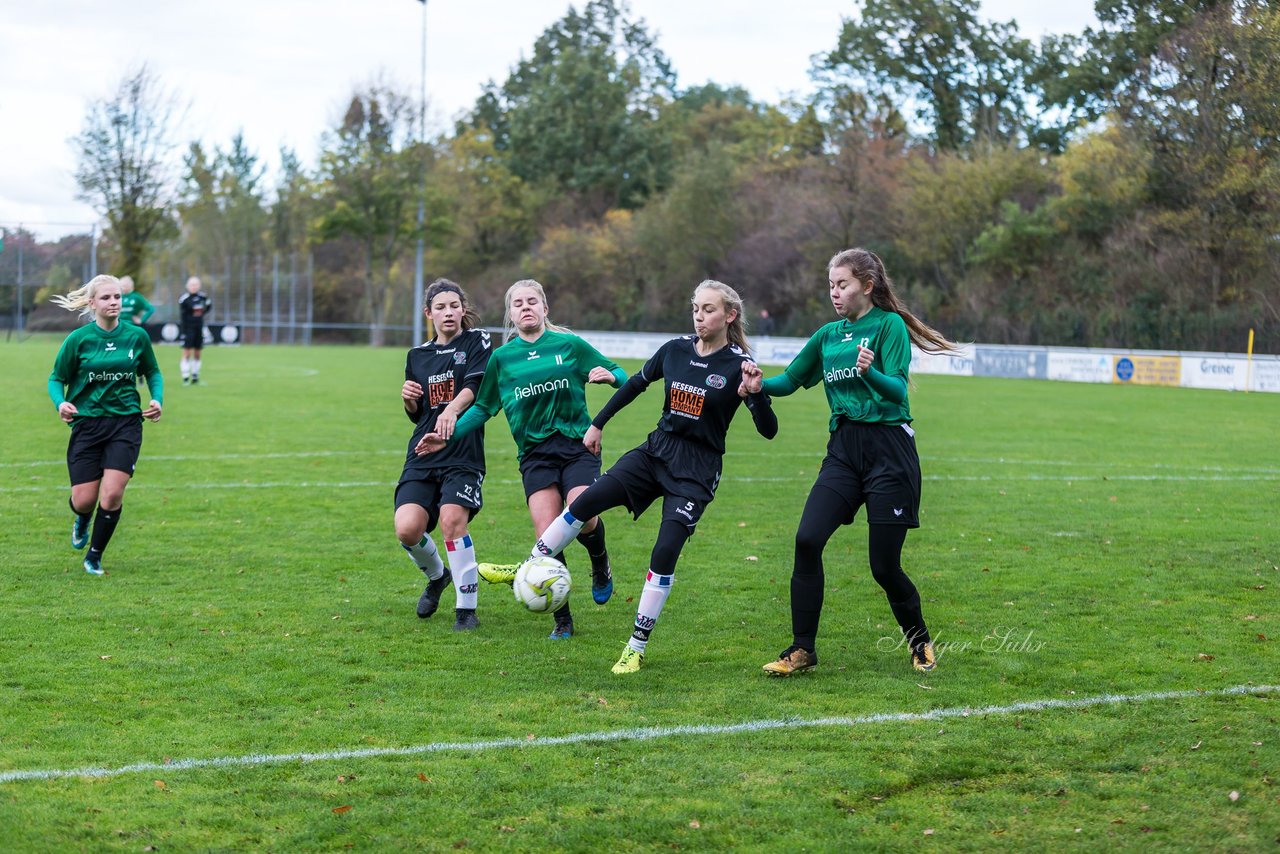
135	308
194	306
765	325
94	386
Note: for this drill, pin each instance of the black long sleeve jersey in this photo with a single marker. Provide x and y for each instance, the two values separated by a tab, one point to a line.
702	398
443	372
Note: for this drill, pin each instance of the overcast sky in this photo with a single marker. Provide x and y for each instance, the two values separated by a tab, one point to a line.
283	70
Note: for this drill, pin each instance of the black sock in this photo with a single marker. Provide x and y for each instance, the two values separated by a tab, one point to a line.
103	527
84	517
593	542
562	614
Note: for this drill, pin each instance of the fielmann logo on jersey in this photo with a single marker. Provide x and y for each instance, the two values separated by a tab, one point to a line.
687	400
105	377
523	391
837	374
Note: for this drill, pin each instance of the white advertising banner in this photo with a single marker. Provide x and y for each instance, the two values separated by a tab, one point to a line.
1225	371
957	364
1080	366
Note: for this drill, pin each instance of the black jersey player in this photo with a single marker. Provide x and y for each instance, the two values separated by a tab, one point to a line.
681	460
194	306
440	381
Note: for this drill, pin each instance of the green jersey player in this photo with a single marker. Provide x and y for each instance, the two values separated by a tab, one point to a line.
134	307
538	377
862	360
94	385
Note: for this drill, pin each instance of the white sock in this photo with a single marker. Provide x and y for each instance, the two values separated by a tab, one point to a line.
560	533
656	590
195	367
426	557
185	366
466	575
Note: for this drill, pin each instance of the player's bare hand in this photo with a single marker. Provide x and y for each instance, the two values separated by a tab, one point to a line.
592	440
411	392
752	378
152	412
429	444
67	410
865	357
445	422
600	375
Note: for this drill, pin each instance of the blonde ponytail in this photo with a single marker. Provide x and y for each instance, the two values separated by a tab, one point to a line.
81	299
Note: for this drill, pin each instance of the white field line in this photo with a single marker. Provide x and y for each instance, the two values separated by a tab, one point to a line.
943	478
633	734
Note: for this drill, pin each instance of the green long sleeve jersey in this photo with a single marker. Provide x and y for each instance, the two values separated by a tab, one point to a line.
135	308
541	386
879	395
98	371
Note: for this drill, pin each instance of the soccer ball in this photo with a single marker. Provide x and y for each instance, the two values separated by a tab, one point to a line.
542	584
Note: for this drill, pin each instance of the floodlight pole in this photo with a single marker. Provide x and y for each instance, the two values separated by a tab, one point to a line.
422	197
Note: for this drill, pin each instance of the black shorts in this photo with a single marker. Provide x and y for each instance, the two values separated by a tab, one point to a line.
108	442
645	478
558	461
876	465
432	489
193	336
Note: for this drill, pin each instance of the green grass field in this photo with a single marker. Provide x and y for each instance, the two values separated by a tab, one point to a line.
1077	542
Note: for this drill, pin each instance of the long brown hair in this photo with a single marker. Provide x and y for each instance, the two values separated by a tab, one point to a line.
866	266
736	331
470	320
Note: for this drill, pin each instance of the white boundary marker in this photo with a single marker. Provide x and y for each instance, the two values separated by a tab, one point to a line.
636	734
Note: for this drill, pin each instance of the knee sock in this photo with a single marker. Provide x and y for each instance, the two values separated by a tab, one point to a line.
426	557
195	367
84	517
563	614
593	541
558	534
656	590
466	575
104	525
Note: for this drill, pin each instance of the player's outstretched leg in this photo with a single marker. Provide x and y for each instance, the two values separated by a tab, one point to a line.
498	573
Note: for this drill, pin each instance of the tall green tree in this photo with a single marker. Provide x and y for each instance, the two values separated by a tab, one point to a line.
965	78
370	172
581	113
1207	103
124	167
223	208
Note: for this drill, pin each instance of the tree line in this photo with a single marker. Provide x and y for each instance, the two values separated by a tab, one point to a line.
1116	187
